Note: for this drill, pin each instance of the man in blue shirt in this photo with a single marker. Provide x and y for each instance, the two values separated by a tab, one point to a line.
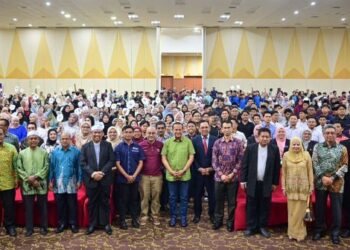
65	180
129	156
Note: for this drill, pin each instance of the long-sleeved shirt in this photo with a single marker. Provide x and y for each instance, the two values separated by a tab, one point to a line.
65	172
327	161
8	158
12	139
33	163
227	157
20	132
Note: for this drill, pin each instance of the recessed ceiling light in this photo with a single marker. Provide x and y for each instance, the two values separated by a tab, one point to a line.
179	16
83	25
197	30
113	18
296	12
225	16
283	19
343	19
67	15
155	22
313	3
30	25
62	12
118	22
48	3
238	22
132	16
74	19
14	19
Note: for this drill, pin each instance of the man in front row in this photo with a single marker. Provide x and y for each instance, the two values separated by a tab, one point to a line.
65	180
96	161
259	177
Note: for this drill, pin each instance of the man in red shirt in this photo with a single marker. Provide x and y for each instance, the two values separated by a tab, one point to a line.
151	177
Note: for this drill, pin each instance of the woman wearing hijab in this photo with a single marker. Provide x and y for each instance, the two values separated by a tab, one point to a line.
84	135
254	138
51	142
113	136
297	185
137	135
308	144
281	140
66	111
107	123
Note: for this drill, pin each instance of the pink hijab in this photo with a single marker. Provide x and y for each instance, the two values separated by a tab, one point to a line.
281	142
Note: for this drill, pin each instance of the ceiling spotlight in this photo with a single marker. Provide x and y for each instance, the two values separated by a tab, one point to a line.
179	16
132	16
197	30
283	19
48	3
155	22
30	25
83	25
74	19
67	15
14	19
296	12
62	12
238	22
118	22
313	3
343	19
225	16
113	18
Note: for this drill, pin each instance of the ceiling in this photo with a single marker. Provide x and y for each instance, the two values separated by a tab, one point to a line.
98	13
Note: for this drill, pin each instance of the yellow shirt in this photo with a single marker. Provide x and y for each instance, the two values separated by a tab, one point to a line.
8	159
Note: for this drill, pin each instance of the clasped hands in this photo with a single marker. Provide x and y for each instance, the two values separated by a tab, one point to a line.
204	171
97	175
227	178
33	181
327	181
177	174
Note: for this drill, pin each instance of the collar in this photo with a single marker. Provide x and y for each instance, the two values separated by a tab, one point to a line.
224	139
68	149
332	146
132	142
178	140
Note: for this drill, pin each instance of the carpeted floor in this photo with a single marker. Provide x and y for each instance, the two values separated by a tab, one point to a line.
199	236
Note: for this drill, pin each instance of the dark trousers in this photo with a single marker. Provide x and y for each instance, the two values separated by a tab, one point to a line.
222	191
7	198
29	210
258	208
320	211
66	209
201	182
98	205
164	197
178	189
128	200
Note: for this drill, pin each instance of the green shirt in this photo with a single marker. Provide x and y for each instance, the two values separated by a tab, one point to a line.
177	153
8	158
33	162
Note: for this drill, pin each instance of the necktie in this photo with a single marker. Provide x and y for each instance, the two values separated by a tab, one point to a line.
205	144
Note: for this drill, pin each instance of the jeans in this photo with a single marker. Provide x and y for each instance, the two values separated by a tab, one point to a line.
176	189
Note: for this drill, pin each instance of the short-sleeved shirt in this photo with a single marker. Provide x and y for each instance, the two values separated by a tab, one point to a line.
153	163
177	153
129	157
8	158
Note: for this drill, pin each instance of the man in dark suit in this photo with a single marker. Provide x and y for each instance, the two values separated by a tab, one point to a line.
204	178
260	174
97	160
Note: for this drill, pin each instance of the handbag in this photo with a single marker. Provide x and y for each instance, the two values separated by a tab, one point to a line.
309	214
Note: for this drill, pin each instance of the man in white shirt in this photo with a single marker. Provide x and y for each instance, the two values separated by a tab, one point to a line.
316	134
292	130
238	134
302	123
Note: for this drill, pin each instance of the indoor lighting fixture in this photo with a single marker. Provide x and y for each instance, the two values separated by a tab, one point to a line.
179	16
313	3
113	18
155	22
283	19
30	25
74	19
225	16
62	12
14	19
67	15
296	12
343	19
83	25
197	30
132	16
48	3
118	22
238	22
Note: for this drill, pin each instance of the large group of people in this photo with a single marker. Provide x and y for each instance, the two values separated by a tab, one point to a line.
161	151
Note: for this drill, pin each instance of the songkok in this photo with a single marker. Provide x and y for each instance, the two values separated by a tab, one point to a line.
98	127
33	133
